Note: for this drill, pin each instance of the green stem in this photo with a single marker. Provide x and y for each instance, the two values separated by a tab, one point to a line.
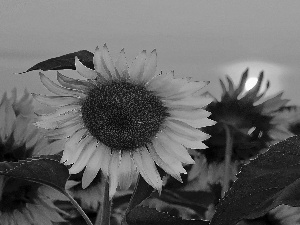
85	217
228	154
103	216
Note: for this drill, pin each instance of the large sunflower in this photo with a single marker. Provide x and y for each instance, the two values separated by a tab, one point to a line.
23	202
124	121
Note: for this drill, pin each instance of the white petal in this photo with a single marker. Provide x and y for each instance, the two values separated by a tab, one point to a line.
121	66
147	168
204	122
188	103
150	169
67	130
98	64
175	164
175	149
188	89
80	85
108	63
136	70
126	171
83	158
150	67
165	161
106	155
60	111
52	123
84	71
56	89
96	162
161	83
185	130
189	114
56	100
79	148
114	173
70	147
193	144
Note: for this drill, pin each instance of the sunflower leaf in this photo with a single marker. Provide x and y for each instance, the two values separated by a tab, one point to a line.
149	216
269	180
45	169
65	62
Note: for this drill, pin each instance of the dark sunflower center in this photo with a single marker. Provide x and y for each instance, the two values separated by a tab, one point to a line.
123	115
16	193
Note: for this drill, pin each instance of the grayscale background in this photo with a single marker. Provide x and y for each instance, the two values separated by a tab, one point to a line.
201	39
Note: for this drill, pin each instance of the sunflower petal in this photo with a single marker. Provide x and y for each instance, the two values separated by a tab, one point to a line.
84	71
114	173
126	171
121	66
137	68
185	130
91	169
189	103
70	147
56	100
175	149
98	64
108	63
83	159
68	82
150	67
165	161
187	142
147	168
80	147
56	89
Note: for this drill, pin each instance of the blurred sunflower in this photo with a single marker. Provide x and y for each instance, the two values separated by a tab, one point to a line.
124	121
252	120
290	116
21	201
285	215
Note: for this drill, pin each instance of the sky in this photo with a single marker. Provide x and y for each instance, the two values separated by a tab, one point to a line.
205	40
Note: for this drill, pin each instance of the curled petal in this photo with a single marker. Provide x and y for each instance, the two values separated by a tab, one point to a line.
84	71
56	89
56	100
68	82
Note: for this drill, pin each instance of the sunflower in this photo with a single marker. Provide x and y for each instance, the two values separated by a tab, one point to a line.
125	120
290	115
285	215
21	201
253	120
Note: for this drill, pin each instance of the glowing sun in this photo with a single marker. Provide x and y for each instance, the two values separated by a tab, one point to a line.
250	83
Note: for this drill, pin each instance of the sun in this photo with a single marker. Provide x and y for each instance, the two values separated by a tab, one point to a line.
250	83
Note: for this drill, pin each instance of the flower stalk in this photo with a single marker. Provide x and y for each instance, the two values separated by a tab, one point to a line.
103	216
228	154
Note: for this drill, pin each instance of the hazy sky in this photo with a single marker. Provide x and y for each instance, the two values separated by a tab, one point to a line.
200	39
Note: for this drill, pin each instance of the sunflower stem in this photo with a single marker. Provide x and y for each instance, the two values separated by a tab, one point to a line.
80	210
103	216
228	154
